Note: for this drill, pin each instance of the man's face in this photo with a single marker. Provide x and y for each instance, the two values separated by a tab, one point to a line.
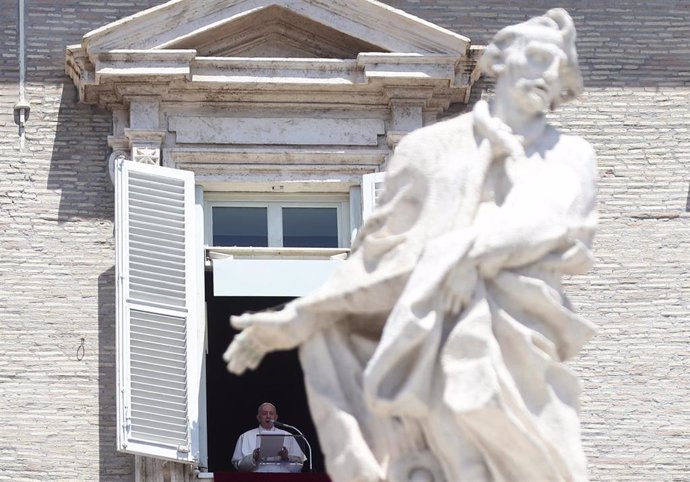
533	70
267	413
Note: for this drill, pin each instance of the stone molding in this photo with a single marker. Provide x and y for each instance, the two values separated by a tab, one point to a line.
261	169
195	84
185	22
177	75
276	130
164	51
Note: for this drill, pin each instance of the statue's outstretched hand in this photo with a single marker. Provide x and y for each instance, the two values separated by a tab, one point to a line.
459	286
261	333
244	353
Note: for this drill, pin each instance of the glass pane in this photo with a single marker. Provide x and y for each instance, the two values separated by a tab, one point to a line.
310	227
240	226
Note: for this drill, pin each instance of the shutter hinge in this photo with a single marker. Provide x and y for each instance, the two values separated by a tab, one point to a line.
127	422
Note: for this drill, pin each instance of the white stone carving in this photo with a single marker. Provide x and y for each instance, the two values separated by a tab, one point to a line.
435	352
145	145
146	155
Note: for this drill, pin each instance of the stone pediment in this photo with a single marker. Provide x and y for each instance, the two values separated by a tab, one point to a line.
244	92
206	49
195	23
274	31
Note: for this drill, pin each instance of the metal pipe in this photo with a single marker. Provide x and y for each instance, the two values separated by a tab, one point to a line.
22	64
22	107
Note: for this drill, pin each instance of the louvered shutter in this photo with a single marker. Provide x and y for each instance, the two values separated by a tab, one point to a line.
372	186
156	268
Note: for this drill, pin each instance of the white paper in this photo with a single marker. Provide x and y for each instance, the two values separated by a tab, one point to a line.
270	445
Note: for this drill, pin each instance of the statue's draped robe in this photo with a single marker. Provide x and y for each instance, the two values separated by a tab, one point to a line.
486	387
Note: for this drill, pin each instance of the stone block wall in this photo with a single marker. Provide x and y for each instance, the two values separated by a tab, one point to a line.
57	412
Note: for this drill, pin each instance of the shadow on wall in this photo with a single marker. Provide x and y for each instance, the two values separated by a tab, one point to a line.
78	164
113	466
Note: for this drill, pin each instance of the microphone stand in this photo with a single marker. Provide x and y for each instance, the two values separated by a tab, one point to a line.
281	424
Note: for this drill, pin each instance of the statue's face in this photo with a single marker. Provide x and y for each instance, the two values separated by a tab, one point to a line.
267	413
532	70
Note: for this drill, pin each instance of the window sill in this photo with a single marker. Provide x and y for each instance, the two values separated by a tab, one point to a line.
215	252
289	272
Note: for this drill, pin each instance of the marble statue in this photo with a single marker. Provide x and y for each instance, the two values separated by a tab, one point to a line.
436	352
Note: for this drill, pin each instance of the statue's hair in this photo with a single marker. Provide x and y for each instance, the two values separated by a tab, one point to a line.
557	19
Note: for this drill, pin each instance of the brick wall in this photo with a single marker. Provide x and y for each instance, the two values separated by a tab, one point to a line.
57	414
636	112
56	249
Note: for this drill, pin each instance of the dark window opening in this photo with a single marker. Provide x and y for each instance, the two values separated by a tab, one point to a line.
232	401
275	225
240	226
310	227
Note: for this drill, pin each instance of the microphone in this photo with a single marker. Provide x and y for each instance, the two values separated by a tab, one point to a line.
285	425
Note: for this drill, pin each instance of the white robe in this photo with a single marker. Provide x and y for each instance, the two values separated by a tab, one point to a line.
243	457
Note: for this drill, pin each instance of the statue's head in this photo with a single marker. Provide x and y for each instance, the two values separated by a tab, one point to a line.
539	55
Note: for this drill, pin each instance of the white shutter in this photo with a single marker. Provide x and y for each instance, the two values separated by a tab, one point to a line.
372	186
157	312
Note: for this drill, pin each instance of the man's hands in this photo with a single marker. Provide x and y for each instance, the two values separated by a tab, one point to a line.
283	454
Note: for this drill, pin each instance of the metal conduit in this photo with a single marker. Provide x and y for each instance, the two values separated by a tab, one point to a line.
22	107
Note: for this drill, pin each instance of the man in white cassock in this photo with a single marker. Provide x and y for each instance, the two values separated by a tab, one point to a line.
436	351
247	455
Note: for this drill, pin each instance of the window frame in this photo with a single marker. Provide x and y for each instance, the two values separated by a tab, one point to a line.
199	206
274	204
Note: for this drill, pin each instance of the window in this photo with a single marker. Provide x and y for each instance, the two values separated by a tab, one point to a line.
240	226
290	222
161	331
310	227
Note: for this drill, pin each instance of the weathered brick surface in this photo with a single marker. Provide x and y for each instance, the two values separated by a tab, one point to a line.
56	249
57	414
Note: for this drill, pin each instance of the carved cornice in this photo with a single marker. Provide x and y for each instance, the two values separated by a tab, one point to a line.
179	76
310	94
294	169
145	136
176	157
161	52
